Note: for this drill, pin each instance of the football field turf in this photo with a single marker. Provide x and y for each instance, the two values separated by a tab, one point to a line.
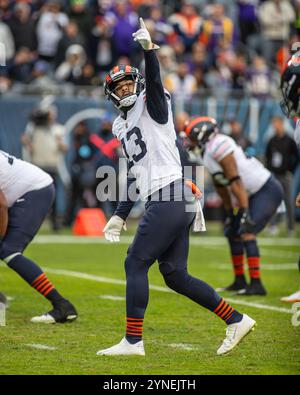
179	336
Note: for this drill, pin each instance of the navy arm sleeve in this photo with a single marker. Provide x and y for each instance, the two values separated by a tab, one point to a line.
155	95
125	204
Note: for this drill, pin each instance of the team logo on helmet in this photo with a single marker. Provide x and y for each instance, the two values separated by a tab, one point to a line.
199	130
120	73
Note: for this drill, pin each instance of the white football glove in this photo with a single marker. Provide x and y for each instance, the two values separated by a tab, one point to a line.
143	37
112	229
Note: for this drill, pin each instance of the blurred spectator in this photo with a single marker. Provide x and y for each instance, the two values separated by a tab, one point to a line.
72	68
23	28
282	158
70	36
100	47
124	22
247	17
217	28
5	11
259	78
181	83
22	65
40	78
49	28
83	172
276	17
187	24
236	132
44	142
79	13
108	152
5	84
166	56
6	38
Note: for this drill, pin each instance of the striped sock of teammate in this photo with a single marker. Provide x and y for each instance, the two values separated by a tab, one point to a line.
134	329
253	258
34	276
227	313
237	257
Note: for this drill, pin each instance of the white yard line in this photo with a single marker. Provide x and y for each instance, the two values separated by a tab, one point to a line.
40	346
112	297
157	288
183	346
194	240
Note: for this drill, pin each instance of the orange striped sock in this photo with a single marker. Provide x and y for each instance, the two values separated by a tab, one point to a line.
134	329
238	264
254	266
227	313
43	285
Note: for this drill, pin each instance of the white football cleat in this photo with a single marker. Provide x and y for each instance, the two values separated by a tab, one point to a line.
295	297
124	348
235	333
44	319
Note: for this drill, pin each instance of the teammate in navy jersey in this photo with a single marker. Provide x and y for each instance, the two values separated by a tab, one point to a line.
26	196
243	182
146	130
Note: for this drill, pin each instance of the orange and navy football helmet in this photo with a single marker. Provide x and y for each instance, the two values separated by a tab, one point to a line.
199	130
117	74
290	87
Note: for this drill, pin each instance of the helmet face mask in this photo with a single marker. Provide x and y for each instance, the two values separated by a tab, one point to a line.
114	77
290	89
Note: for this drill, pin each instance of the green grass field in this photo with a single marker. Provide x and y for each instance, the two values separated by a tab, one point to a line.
180	337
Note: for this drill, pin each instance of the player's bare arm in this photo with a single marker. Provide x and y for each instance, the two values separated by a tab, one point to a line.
298	200
225	196
236	186
3	215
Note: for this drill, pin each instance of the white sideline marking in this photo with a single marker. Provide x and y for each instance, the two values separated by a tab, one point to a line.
40	347
205	240
112	297
99	278
182	346
259	306
157	288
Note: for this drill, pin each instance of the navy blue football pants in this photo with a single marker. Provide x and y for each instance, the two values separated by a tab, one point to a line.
24	220
163	235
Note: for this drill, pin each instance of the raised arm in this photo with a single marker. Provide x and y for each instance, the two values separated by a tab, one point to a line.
155	95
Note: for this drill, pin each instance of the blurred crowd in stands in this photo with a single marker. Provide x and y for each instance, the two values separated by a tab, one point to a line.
206	46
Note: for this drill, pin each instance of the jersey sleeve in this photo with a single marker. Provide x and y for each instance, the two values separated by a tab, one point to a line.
156	97
221	148
126	203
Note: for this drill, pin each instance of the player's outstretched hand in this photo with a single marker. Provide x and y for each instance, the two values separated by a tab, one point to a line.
143	37
113	228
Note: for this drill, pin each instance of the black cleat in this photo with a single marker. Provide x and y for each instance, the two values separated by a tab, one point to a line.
255	288
62	312
238	284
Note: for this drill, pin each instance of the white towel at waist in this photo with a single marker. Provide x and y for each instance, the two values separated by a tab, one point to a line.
199	221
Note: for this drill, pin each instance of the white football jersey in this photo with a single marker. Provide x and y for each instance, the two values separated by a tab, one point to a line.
253	174
150	147
18	177
297	133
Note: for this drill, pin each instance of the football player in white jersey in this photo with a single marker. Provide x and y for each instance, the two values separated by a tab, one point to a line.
242	183
146	131
290	88
26	196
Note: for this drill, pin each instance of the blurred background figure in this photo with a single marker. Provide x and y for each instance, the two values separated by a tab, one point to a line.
282	158
45	147
82	167
236	132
